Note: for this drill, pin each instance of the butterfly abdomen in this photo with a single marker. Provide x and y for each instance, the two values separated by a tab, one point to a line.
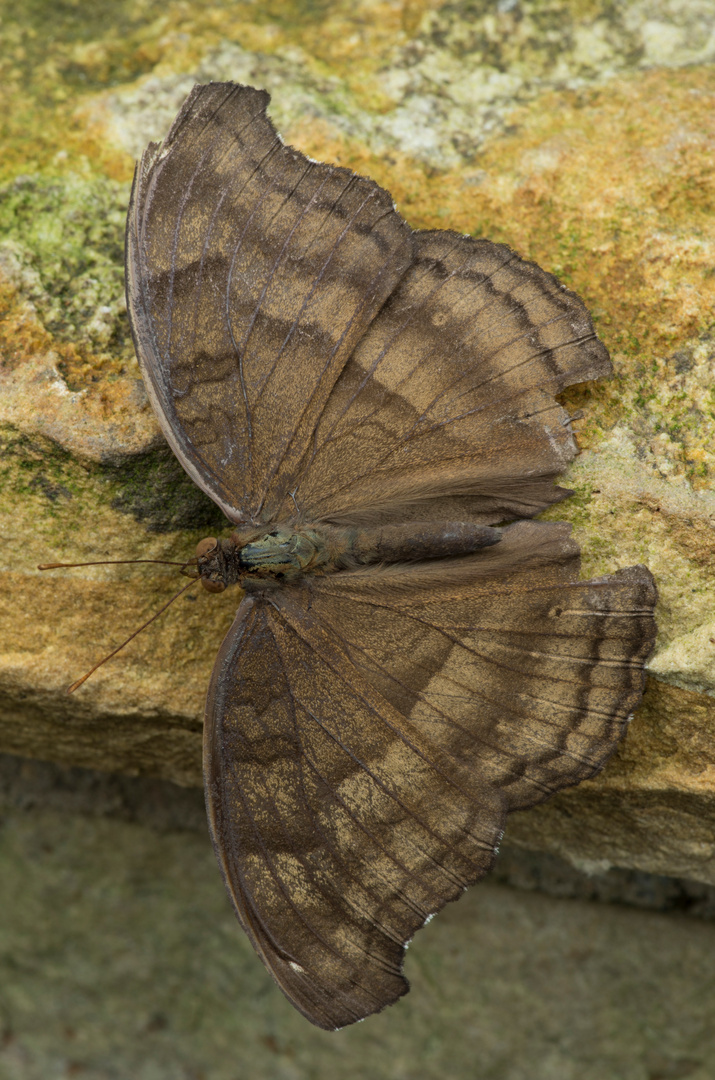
420	540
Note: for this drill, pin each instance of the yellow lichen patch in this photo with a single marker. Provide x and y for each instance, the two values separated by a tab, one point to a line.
107	418
21	333
85	401
406	179
55	54
358	39
23	338
613	190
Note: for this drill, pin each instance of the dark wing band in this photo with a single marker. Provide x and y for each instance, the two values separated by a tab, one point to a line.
504	660
303	349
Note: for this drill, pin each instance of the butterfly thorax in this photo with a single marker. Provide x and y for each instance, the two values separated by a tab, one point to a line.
260	557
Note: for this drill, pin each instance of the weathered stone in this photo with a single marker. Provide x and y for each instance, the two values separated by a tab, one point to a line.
29	785
538	124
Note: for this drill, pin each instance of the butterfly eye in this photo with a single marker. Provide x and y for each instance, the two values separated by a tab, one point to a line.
204	550
212	586
206	547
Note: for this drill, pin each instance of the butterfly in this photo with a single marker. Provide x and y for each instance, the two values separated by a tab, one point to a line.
413	657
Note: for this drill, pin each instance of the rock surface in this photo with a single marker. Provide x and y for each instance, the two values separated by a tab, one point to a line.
582	134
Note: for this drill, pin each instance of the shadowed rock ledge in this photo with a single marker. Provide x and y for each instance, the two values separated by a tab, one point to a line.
28	786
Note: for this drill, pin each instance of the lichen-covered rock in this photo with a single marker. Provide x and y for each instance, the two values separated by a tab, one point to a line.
438	94
580	134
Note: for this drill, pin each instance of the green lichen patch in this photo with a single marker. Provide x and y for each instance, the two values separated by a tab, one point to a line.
45	42
624	513
156	491
40	471
42	76
46	492
673	411
667	404
61	247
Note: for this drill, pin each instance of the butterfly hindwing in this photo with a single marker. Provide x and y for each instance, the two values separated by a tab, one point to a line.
451	392
505	660
367	732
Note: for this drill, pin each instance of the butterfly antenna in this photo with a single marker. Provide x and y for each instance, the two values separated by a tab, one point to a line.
578	415
78	683
113	562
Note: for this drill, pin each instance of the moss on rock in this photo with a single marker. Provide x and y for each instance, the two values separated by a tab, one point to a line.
62	247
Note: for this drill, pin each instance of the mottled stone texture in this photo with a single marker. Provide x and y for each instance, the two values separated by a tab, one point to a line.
581	133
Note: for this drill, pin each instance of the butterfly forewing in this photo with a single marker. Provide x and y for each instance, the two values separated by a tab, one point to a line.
304	349
252	272
339	829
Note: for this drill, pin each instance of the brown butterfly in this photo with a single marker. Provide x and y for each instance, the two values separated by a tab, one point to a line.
365	403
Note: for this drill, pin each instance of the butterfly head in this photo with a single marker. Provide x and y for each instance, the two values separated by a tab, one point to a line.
256	558
211	564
